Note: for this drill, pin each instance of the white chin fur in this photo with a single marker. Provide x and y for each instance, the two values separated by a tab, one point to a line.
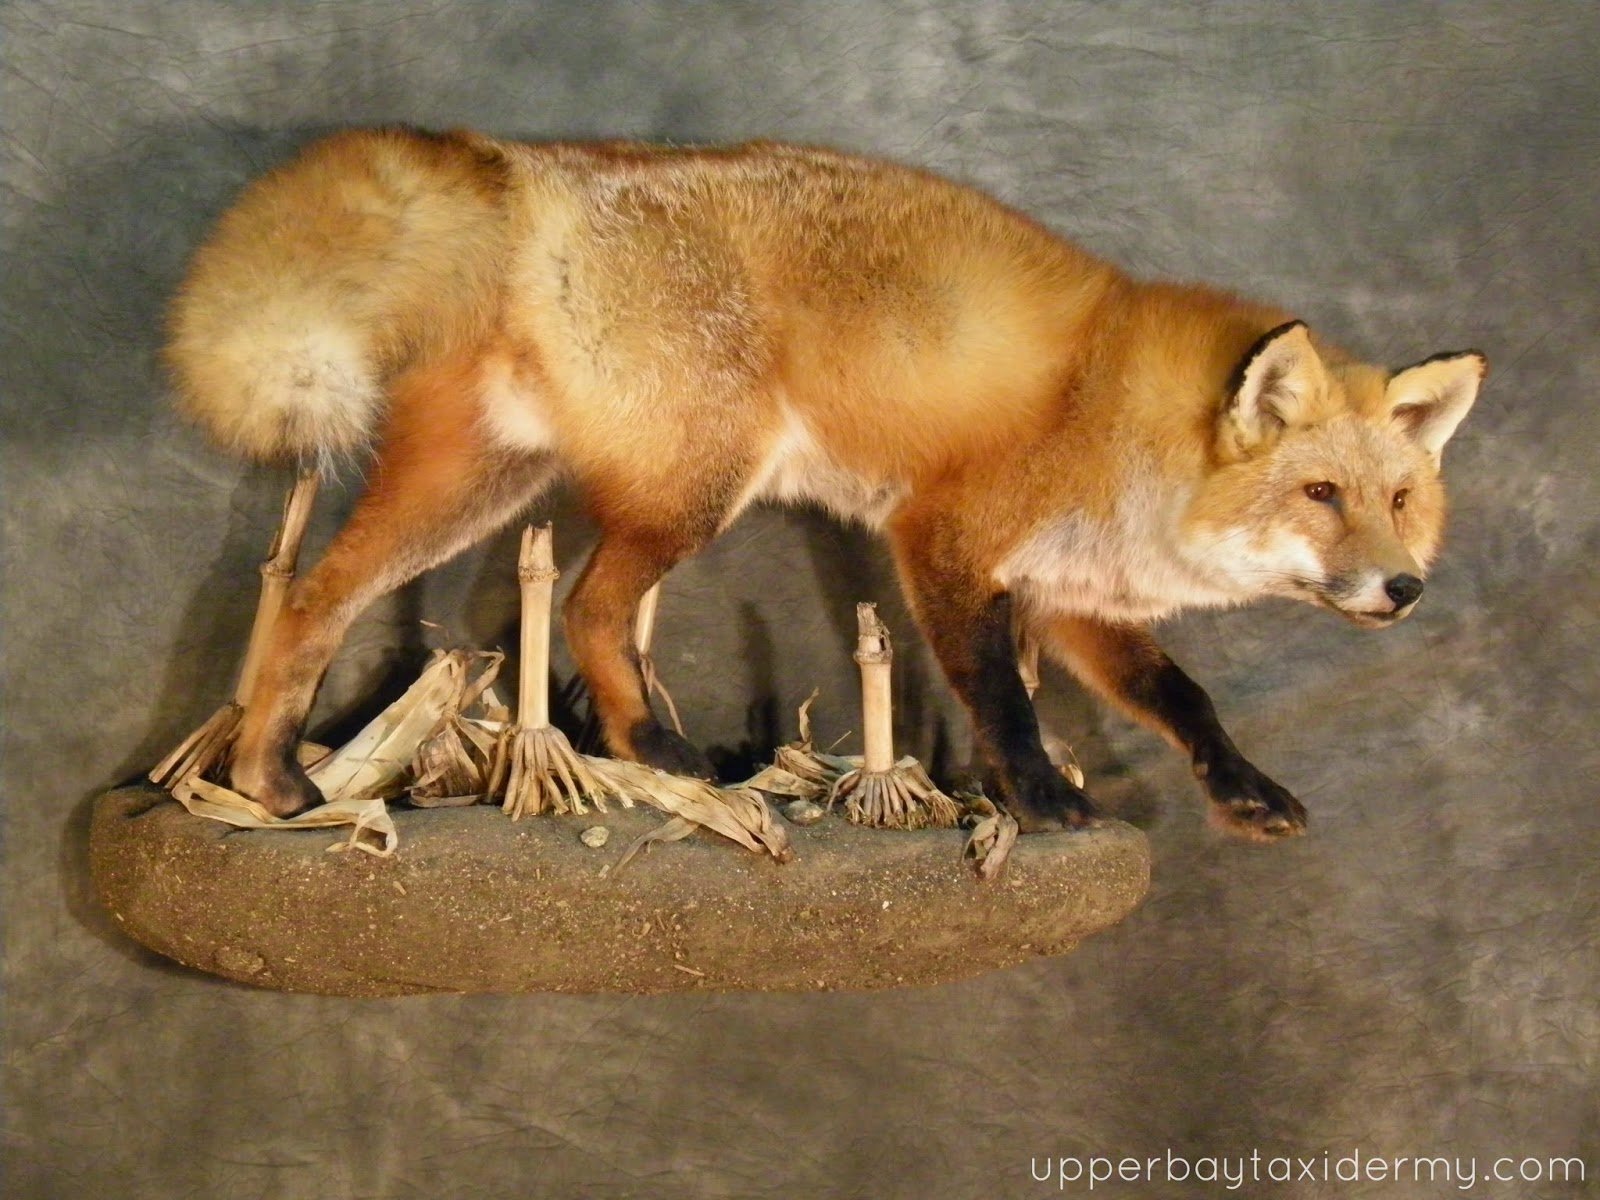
1278	564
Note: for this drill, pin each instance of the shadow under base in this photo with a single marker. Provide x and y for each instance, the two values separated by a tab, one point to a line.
473	902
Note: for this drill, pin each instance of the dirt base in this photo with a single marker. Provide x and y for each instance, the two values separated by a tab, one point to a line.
473	902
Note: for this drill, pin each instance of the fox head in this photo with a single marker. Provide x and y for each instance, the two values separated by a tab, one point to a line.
1328	488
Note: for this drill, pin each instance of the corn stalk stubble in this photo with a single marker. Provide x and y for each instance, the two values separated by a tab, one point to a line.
207	749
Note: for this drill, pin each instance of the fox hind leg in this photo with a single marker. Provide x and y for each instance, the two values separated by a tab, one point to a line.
650	520
437	486
599	622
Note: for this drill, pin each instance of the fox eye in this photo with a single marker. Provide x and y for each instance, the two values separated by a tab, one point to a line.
1321	492
1400	498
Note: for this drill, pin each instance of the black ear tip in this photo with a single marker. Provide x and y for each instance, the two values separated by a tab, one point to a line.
1236	377
1451	356
1273	334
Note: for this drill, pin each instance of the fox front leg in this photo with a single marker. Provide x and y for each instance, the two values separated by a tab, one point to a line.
971	633
1124	664
980	658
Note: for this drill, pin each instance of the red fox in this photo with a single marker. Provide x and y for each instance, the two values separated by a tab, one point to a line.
685	332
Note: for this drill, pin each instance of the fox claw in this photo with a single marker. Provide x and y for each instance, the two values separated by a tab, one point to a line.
1246	802
1047	802
659	747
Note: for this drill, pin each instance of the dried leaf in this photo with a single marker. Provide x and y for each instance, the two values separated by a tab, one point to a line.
365	816
805	717
674	830
989	845
377	761
740	814
453	764
781	782
1059	752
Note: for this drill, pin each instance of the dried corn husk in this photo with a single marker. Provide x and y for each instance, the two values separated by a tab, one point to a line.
208	747
799	769
989	844
378	760
366	816
454	764
452	768
373	766
739	813
777	781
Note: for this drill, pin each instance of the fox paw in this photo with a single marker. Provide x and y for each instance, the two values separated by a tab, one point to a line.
657	746
1047	800
1246	803
283	792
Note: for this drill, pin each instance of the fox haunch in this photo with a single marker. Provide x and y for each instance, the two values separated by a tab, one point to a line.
686	332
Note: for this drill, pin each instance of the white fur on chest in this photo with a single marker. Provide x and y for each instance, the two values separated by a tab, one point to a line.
1131	567
797	469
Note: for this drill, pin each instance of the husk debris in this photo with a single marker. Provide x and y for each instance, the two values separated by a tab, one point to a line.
1056	747
644	630
374	766
988	845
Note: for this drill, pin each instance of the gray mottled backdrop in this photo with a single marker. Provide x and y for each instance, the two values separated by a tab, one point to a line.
1418	976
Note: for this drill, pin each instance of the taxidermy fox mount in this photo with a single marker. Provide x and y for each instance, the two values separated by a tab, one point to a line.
685	332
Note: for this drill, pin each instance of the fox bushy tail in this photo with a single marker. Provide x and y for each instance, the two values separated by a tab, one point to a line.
327	276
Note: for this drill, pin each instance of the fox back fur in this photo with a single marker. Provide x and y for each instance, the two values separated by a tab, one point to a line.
686	332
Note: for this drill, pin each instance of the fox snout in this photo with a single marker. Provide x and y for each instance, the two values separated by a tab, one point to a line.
1375	599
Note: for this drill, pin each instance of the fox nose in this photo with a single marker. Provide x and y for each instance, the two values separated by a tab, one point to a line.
1403	590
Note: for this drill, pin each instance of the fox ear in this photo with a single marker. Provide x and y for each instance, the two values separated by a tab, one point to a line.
1430	399
1275	386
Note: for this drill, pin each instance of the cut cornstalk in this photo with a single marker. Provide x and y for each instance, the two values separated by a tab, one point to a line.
208	746
884	792
644	629
536	769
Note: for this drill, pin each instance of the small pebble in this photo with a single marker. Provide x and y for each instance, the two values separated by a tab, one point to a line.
804	812
595	836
